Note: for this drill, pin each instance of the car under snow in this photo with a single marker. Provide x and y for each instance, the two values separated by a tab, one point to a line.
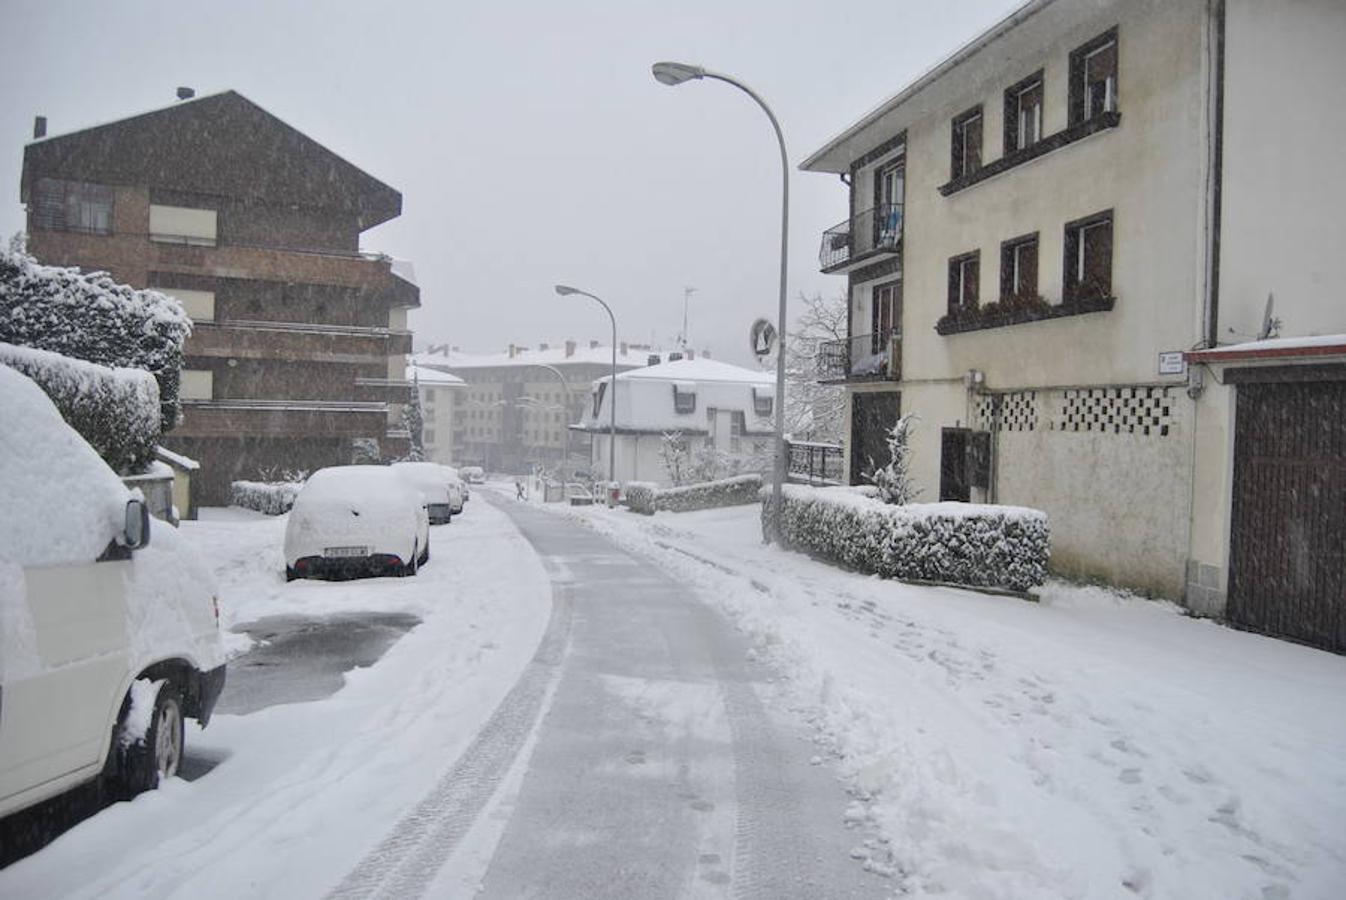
350	521
439	487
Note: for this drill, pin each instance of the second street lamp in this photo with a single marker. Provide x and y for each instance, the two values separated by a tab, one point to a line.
676	73
566	291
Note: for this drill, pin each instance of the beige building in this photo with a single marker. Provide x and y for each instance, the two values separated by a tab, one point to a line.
1041	227
440	396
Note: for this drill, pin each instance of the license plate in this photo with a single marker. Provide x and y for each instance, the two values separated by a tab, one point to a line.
346	551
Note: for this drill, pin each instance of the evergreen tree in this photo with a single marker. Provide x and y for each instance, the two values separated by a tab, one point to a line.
414	422
894	479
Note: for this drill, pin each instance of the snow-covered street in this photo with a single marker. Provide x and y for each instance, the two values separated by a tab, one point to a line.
576	715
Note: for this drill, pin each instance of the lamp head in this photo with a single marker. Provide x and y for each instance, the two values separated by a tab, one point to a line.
565	291
675	73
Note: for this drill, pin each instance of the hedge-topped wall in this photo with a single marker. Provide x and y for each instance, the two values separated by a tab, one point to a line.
980	545
115	410
647	497
270	497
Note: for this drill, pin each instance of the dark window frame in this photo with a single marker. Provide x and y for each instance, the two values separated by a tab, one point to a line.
599	390
1077	94
958	300
684	402
763	405
1074	288
1013	99
1009	256
959	164
52	213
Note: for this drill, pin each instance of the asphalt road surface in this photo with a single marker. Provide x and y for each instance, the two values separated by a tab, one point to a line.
650	766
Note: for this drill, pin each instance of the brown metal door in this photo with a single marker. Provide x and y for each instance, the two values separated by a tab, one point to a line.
1288	528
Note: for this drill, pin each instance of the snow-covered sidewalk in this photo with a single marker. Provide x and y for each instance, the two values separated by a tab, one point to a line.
301	791
1092	745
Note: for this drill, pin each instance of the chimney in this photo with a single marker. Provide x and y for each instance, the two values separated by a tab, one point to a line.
652	359
39	127
570	349
439	350
512	351
623	348
674	356
593	345
541	348
454	349
691	354
186	93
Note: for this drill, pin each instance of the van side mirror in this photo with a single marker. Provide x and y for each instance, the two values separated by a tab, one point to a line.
136	531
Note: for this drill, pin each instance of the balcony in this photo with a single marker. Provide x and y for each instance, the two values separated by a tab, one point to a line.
281	419
811	462
382	390
296	342
861	357
869	236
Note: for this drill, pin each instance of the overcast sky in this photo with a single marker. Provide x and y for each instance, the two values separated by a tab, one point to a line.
529	141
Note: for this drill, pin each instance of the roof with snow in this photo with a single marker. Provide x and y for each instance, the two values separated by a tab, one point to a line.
554	355
221	144
700	370
646	402
432	376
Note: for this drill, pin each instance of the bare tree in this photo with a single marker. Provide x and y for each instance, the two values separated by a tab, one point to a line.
813	411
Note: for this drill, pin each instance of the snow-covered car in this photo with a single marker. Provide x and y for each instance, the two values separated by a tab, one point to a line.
473	474
108	641
356	520
442	501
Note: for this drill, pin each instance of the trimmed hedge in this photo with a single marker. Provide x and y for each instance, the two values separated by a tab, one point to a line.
115	410
270	497
94	318
646	497
979	545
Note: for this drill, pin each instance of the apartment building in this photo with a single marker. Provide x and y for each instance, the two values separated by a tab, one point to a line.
515	407
1051	236
440	395
299	342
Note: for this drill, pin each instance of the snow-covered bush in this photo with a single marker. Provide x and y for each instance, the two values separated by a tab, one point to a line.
115	410
894	479
640	496
270	497
644	497
94	318
980	545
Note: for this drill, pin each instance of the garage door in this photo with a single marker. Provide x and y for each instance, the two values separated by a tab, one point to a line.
1288	531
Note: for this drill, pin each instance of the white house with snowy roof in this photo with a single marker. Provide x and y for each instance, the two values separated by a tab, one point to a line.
705	401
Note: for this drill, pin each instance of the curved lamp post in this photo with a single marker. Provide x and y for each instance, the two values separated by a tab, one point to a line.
565	407
673	74
566	291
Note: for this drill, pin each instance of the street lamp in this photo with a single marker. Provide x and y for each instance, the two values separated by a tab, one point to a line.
565	291
565	408
676	73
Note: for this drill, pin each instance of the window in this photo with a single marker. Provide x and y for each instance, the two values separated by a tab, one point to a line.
889	186
966	144
182	225
710	427
762	403
72	206
199	305
427	436
1019	267
599	390
1023	114
885	314
1088	259
738	426
1093	78
964	272
684	398
197	384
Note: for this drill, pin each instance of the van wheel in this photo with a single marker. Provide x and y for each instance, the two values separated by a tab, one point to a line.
145	760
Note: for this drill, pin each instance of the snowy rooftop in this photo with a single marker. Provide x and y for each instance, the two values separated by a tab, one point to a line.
1275	348
431	376
700	370
554	355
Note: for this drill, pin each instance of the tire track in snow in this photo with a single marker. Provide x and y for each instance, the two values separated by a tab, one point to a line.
406	862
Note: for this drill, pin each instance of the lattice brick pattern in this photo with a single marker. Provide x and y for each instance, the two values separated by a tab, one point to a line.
1128	410
1018	411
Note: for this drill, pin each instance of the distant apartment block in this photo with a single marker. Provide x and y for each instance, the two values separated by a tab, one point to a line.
298	351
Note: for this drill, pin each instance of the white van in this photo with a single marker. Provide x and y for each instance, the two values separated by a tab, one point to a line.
107	640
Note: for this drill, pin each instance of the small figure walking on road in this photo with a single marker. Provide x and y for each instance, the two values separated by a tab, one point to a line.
519	491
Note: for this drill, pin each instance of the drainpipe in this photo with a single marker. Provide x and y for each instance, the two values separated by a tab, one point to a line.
1215	166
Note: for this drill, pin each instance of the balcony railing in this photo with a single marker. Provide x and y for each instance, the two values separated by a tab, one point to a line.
861	357
815	463
874	231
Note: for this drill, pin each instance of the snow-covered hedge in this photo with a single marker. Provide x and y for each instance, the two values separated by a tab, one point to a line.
115	410
94	318
962	543
270	497
647	498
